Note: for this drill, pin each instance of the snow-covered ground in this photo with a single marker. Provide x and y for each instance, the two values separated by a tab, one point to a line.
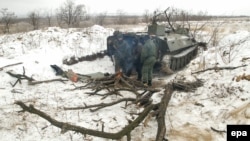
190	115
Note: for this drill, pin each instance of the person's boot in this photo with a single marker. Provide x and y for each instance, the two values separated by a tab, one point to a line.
149	82
145	83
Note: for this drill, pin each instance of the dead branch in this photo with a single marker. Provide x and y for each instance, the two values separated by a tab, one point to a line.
214	34
187	86
16	91
70	127
162	110
120	83
197	29
1	68
19	77
114	92
144	99
79	87
219	131
114	84
169	19
219	68
47	81
156	16
31	81
99	106
245	58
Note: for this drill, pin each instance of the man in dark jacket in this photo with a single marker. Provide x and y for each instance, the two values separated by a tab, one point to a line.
122	55
148	59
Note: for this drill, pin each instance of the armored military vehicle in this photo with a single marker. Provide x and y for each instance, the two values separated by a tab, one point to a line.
175	48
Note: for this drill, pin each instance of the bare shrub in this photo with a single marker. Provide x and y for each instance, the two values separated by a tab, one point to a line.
48	17
34	18
7	19
229	51
70	14
175	18
215	30
100	18
146	16
121	17
201	21
179	20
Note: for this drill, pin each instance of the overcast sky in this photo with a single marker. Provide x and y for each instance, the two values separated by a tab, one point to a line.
212	7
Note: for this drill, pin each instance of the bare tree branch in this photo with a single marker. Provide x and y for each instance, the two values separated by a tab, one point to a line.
162	110
46	81
69	127
100	105
10	65
20	77
219	68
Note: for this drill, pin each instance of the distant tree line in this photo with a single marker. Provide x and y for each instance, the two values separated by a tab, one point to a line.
70	14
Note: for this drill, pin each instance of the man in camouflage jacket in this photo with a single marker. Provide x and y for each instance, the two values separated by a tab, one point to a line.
148	59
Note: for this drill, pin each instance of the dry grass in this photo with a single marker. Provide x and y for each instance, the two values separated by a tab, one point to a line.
241	114
189	132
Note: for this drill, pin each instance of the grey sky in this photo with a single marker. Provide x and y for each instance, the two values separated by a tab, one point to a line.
214	7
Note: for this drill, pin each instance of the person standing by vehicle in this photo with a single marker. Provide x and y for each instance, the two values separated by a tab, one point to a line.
122	55
148	59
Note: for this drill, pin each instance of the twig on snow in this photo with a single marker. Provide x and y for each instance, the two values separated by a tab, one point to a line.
99	106
19	77
219	131
47	81
78	129
219	68
1	68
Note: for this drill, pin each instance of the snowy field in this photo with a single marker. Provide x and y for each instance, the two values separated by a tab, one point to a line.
191	116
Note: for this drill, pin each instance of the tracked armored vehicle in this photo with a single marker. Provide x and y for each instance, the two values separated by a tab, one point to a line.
175	49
